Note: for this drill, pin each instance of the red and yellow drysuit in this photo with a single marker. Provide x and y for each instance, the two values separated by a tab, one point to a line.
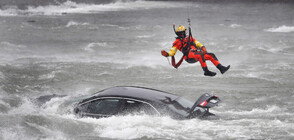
197	51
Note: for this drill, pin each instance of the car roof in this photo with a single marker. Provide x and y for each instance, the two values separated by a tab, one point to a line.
142	93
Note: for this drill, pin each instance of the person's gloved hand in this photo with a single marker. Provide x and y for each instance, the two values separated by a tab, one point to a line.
164	53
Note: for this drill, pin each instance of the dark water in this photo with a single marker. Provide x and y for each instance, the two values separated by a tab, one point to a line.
76	49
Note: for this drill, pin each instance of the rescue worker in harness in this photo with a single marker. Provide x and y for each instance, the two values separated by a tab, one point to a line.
193	51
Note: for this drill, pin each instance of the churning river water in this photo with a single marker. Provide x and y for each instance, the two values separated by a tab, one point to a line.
75	49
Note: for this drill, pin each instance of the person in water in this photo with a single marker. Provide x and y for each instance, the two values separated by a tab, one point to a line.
193	51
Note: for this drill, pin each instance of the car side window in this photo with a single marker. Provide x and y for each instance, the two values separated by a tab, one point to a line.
138	108
102	106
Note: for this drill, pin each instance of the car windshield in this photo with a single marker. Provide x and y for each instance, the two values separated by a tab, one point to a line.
179	105
184	102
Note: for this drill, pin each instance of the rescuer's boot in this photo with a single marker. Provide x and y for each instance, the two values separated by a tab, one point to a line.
207	72
222	68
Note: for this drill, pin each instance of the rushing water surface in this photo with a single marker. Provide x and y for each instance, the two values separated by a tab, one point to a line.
75	49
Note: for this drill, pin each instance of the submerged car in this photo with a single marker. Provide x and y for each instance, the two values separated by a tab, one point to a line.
125	100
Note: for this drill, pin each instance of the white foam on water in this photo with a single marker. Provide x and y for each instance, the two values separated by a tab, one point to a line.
92	47
50	75
70	7
270	49
248	126
74	23
11	134
10	51
12	11
279	66
281	29
79	25
253	74
145	36
251	48
26	107
11	46
273	109
47	133
53	106
235	25
135	127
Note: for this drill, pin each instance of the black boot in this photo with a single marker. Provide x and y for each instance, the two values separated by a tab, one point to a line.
207	72
222	68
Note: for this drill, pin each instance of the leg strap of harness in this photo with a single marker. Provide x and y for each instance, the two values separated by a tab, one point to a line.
176	65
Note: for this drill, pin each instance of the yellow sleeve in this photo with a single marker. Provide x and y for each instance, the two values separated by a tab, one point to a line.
198	44
172	51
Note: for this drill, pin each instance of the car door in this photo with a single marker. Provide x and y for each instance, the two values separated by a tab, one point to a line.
102	107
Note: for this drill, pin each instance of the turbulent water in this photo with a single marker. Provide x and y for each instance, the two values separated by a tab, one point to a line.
75	49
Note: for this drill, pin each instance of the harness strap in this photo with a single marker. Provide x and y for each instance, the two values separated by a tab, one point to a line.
176	65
